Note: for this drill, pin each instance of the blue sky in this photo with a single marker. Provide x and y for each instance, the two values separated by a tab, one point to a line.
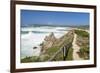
52	17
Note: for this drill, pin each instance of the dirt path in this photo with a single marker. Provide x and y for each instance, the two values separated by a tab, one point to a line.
76	49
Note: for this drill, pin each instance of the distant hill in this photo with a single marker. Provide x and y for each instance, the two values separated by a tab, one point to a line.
55	25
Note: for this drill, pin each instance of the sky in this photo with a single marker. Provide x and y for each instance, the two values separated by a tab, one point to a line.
29	17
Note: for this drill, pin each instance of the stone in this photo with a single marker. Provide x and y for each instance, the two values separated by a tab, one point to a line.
49	41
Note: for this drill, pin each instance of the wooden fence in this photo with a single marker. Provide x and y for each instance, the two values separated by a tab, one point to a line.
63	49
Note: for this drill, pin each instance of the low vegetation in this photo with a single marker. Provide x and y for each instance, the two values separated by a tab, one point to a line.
82	33
84	53
70	54
83	42
30	59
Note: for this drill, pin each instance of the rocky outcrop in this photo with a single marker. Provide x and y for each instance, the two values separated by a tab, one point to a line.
48	41
51	46
51	41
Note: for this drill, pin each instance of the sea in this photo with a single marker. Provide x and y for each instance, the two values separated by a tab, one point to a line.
33	36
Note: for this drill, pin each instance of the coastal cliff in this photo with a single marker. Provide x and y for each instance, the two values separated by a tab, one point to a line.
74	45
51	45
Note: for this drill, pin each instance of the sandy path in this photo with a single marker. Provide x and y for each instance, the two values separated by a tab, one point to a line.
76	49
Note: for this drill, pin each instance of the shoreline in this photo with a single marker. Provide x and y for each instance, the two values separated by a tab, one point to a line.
56	37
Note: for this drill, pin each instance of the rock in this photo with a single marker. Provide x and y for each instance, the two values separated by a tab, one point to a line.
34	47
51	45
48	41
51	41
51	37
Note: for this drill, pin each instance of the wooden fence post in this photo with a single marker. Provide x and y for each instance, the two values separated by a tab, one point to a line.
64	53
